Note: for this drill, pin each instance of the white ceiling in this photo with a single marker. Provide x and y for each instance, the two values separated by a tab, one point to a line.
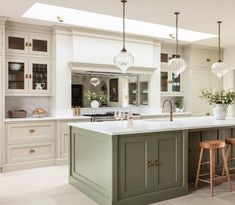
197	15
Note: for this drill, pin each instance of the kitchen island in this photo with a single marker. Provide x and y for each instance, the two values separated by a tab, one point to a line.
117	164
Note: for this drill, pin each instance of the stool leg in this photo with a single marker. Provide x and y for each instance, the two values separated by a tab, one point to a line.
227	154
199	167
226	169
212	169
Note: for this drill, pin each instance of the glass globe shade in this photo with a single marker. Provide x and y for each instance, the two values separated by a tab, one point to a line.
123	60
177	66
219	69
95	81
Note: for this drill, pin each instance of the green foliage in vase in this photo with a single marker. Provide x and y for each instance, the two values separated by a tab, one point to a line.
96	96
178	102
219	97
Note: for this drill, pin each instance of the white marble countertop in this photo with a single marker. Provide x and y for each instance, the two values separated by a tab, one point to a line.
47	118
148	126
164	114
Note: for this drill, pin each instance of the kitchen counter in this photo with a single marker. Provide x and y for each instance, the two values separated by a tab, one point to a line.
28	119
154	125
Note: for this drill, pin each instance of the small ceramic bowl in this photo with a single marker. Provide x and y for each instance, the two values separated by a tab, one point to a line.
15	66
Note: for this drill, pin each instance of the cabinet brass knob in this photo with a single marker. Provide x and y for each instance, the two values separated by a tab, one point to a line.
156	163
150	164
32	131
26	76
30	44
30	76
26	44
31	151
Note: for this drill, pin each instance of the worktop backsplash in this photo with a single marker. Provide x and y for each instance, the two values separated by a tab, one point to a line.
26	103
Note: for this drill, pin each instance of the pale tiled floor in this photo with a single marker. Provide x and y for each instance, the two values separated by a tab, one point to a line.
49	186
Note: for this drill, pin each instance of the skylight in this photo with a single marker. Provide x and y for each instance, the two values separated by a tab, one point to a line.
92	20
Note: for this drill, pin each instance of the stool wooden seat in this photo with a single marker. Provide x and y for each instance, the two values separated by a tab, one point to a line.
230	142
212	146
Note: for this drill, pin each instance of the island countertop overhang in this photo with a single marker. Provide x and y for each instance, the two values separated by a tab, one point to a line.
150	126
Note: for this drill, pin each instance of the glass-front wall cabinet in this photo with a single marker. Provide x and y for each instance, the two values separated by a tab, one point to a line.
25	76
170	85
27	44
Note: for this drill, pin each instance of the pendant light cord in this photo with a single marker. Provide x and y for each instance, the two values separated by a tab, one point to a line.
123	24
219	22
176	35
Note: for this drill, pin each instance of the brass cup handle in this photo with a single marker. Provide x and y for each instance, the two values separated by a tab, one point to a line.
32	151
150	164
156	163
31	130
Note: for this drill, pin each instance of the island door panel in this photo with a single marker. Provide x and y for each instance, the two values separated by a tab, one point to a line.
168	160
134	173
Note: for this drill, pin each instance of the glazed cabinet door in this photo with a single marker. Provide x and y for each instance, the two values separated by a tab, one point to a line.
170	84
134	168
39	45
39	76
16	75
16	43
168	160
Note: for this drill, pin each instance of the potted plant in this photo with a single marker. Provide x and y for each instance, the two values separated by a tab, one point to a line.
220	100
96	98
178	103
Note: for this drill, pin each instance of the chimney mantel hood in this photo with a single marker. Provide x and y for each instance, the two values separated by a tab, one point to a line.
93	67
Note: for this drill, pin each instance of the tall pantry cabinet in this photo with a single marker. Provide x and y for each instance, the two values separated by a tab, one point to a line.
2	57
198	77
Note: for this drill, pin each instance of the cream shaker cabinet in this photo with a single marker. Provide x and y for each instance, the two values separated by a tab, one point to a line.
30	144
64	139
25	76
23	43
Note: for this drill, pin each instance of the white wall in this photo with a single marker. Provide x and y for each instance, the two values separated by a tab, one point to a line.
29	103
99	50
229	78
61	101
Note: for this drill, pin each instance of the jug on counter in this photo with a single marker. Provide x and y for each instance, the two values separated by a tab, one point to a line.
39	86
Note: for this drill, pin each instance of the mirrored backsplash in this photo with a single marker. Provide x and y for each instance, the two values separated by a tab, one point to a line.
110	90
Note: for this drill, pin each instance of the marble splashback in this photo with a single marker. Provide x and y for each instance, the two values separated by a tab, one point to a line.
26	103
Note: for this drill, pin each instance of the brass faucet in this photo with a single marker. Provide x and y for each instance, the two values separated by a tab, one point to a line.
171	113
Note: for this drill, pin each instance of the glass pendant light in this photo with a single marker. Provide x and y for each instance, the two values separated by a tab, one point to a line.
219	68
123	60
177	64
95	81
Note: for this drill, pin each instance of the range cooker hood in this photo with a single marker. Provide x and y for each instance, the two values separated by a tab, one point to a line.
80	67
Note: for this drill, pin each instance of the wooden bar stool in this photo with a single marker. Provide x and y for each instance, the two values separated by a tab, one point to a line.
212	146
230	142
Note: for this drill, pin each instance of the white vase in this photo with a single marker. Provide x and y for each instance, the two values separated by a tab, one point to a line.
220	111
177	109
95	104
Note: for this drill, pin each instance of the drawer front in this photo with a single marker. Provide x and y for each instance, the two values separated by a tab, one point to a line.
30	152
30	131
64	124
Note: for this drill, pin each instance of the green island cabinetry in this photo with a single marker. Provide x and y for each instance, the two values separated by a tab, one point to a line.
131	169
